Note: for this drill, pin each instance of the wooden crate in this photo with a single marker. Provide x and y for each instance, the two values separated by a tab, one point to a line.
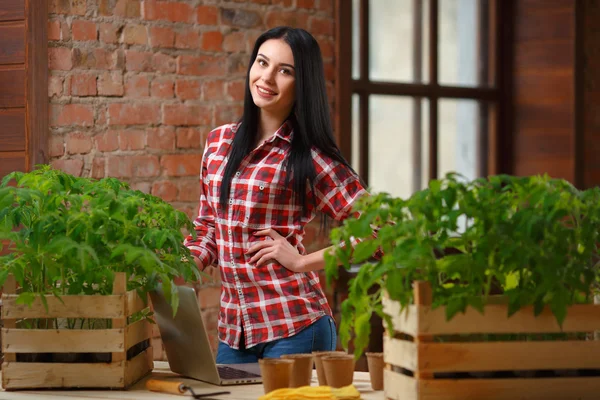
412	356
120	373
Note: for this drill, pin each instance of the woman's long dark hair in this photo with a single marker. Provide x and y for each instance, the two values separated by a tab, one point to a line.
309	117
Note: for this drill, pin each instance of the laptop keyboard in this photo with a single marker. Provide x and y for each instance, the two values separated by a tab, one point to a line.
226	372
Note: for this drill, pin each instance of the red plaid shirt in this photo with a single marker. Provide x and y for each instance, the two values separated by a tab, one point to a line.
268	302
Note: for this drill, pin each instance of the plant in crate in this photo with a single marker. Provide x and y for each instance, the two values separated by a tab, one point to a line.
71	236
533	239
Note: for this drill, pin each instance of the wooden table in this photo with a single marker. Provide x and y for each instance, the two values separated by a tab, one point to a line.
162	371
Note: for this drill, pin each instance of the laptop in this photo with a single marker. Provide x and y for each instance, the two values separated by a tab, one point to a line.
187	346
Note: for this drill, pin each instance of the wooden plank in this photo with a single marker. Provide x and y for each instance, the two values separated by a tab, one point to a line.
10	162
510	389
546	55
423	298
400	353
37	116
402	321
62	375
12	43
507	356
10	286
134	303
536	26
12	88
12	10
80	306
138	367
400	387
12	134
120	288
137	332
62	340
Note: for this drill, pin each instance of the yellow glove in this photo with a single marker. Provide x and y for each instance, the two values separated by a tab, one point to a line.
314	393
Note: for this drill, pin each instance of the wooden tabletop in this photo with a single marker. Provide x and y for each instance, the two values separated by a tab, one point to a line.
162	371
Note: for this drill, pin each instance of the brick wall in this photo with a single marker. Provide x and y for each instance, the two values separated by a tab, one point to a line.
135	86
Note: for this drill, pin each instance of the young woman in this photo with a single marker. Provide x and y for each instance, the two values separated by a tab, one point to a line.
263	180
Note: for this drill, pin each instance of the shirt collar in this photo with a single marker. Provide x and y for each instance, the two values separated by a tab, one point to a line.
285	131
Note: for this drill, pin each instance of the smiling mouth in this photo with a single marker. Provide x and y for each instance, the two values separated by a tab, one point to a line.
265	91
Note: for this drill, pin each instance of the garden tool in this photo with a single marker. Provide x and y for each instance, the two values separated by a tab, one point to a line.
174	387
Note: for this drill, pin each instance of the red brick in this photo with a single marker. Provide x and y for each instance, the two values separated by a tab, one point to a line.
237	64
71	114
187	39
146	166
226	114
97	58
327	48
138	60
209	296
73	167
283	3
183	114
189	190
54	30
234	42
110	84
127	8
278	18
213	90
188	89
203	65
56	146
120	167
98	168
109	32
132	139
321	26
59	7
59	58
181	164
133	114
326	5
163	63
55	86
189	138
211	41
84	30
101	114
236	90
135	34
137	86
144	187
240	18
161	36
251	36
208	15
166	190
78	143
83	85
169	11
162	88
65	31
107	141
162	138
305	4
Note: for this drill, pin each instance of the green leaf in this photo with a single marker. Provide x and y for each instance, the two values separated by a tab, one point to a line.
364	250
455	305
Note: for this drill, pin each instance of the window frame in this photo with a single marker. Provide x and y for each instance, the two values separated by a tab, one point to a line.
494	154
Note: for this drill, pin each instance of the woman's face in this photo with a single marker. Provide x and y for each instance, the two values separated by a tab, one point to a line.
272	78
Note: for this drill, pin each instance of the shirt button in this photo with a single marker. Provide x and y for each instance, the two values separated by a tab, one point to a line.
230	201
261	187
229	231
238	173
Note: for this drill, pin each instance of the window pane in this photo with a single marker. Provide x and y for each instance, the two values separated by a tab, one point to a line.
462	136
355	39
355	162
463	42
397	45
394	134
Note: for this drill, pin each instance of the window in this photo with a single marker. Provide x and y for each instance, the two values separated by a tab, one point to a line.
418	94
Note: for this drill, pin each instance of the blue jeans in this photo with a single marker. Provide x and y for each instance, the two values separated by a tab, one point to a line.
320	336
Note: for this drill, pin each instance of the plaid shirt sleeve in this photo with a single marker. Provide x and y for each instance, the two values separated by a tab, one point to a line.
336	187
204	246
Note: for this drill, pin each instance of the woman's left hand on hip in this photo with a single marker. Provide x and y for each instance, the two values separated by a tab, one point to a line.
278	248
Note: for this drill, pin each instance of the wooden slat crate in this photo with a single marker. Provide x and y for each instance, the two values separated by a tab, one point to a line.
421	368
120	373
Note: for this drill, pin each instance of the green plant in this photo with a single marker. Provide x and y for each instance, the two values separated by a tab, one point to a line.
532	238
70	235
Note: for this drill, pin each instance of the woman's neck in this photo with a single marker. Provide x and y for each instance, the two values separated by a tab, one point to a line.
268	124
